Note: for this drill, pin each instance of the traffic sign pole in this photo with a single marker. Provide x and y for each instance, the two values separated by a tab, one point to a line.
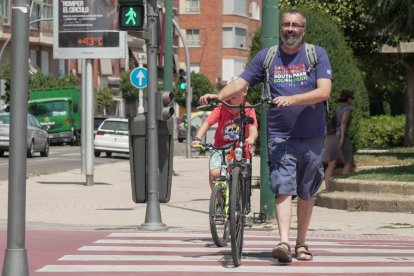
153	212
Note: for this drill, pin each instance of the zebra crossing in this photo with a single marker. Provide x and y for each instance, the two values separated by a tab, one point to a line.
189	253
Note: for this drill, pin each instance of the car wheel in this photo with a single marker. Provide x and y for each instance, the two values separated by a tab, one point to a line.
30	150
45	152
108	154
97	153
180	140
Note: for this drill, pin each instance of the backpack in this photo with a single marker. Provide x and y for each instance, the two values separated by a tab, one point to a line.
330	119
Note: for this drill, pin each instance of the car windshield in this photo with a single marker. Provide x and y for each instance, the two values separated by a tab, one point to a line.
4	119
53	108
115	125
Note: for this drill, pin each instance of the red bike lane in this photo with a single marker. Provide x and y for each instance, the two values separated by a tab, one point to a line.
47	246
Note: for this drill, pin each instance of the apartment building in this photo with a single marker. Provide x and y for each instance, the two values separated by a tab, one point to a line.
218	35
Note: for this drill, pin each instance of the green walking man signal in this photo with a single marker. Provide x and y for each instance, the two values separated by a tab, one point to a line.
131	14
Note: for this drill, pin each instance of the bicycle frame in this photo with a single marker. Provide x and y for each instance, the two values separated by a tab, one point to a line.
239	174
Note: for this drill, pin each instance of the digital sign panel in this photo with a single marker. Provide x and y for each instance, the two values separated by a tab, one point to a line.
87	29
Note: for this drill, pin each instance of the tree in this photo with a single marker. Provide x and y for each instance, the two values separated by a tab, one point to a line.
394	23
200	84
129	92
5	74
323	31
367	26
104	99
37	81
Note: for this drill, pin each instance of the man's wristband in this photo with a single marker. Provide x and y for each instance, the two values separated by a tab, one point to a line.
196	139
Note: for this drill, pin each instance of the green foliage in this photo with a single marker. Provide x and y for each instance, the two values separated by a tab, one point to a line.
5	74
201	85
104	99
37	81
129	92
322	30
382	131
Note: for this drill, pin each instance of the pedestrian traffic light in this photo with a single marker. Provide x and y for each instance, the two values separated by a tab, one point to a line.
163	105
131	14
182	80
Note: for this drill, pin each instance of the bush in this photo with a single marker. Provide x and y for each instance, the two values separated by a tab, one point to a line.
382	131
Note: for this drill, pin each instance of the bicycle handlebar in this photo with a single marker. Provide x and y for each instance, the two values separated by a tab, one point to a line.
215	102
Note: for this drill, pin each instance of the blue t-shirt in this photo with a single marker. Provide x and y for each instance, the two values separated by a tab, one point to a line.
288	76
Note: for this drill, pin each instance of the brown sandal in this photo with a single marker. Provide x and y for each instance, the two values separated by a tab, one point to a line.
282	254
302	255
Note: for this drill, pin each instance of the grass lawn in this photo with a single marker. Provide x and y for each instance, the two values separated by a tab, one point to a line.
396	164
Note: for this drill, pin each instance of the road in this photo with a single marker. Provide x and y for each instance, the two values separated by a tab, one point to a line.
61	158
64	158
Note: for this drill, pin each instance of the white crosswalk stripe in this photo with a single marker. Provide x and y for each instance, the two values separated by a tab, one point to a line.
169	252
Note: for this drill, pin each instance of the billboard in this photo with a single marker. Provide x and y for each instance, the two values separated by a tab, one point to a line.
87	29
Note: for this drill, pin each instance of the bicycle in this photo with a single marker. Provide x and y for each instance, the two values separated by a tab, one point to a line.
219	198
239	173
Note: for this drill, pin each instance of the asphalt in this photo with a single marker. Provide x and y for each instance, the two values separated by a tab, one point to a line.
62	201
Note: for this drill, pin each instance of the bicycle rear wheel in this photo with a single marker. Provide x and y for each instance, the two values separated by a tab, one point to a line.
236	217
218	212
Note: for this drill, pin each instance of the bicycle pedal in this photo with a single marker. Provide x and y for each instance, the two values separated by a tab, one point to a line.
259	217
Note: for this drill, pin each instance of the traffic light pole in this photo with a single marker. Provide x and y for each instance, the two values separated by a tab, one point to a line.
270	37
153	212
15	258
189	95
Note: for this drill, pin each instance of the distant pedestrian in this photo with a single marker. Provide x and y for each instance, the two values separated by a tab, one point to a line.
338	146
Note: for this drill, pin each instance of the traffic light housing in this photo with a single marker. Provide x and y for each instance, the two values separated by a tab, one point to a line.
163	105
182	80
131	14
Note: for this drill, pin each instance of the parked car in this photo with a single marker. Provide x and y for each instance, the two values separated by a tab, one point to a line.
97	121
112	137
37	136
197	119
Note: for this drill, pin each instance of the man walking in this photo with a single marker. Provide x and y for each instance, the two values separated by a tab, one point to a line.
296	127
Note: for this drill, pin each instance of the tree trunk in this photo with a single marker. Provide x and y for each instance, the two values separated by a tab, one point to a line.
409	123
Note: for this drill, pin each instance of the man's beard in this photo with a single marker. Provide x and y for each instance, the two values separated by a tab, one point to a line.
292	40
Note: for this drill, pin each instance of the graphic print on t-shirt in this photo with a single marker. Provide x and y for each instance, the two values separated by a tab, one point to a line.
290	76
230	131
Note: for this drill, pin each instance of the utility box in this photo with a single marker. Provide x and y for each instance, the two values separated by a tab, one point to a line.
138	158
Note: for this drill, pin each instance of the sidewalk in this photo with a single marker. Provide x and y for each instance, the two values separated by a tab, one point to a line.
61	201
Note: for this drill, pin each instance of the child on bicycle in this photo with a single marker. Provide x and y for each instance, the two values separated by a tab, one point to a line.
227	131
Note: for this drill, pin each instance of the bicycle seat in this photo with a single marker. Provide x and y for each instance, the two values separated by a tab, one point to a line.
249	120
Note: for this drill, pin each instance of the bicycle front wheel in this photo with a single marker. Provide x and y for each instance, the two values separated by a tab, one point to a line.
236	217
218	216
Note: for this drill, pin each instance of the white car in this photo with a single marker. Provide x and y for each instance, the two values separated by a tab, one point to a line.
112	137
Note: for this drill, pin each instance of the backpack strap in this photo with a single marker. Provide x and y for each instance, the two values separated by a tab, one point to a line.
312	57
266	64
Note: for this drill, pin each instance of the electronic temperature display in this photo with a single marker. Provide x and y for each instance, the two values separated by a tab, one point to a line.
87	29
89	39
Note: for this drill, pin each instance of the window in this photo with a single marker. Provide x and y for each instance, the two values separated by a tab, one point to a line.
234	37
192	5
195	67
235	7
254	10
4	10
232	67
193	37
40	10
